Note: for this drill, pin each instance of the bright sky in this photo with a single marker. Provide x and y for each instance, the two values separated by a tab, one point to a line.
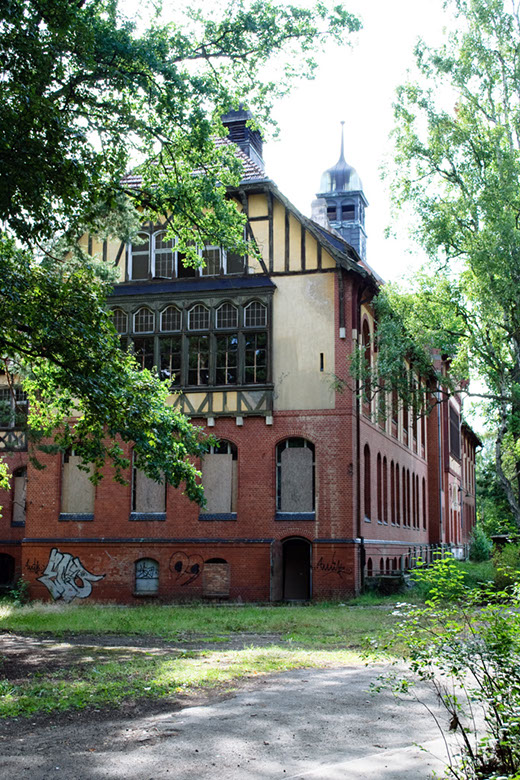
357	85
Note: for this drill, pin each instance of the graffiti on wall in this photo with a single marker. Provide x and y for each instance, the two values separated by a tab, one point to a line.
332	567
66	578
34	566
186	568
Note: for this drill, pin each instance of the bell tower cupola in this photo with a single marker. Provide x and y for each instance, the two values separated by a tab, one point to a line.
342	191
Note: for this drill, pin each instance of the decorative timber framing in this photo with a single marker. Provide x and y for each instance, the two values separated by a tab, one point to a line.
243	403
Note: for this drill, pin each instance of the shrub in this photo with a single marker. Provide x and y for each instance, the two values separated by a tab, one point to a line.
480	546
507	566
469	651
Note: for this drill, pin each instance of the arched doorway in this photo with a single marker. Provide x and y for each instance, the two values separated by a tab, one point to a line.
296	570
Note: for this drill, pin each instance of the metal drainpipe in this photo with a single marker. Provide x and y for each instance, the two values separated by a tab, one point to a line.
362	553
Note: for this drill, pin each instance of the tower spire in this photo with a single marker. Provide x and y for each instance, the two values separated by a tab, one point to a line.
342	151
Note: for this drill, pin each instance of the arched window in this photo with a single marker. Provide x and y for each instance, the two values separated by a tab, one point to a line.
392	492
405	502
414	503
120	320
77	491
388	565
367	482
367	354
146	576
385	491
417	501
198	317
227	316
220	480
424	503
295	476
381	566
216	577
164	256
397	496
144	320
370	569
19	491
395	412
170	319
408	502
379	490
394	564
255	315
140	253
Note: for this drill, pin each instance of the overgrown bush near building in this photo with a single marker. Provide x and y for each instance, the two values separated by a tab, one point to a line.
466	644
480	545
507	566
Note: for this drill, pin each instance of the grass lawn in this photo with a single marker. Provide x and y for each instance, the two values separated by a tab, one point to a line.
225	644
100	676
316	625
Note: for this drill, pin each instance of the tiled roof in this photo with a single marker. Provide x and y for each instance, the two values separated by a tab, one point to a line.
252	171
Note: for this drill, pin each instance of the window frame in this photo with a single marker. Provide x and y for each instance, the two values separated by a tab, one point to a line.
290	441
150	340
152	234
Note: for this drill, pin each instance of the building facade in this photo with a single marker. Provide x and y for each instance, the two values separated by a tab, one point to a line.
311	489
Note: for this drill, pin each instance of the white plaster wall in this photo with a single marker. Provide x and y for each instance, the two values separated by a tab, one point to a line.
303	327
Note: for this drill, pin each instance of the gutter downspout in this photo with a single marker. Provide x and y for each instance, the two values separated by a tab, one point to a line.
362	554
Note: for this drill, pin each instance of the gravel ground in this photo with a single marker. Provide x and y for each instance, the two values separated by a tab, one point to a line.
317	723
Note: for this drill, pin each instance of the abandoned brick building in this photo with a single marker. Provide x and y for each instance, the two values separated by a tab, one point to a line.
309	490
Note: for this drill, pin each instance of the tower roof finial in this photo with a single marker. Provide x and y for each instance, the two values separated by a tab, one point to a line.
342	151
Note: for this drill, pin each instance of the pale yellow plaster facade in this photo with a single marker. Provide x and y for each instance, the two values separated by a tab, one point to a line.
304	329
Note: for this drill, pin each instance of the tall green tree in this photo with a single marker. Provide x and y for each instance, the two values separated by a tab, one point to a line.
457	168
85	96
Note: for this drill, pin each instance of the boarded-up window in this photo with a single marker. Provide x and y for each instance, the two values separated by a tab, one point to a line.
219	478
146	576
77	491
148	496
19	488
216	578
295	472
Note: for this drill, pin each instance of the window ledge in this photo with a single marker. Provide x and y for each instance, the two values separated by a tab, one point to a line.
295	516
78	517
218	516
18	525
138	595
368	519
136	516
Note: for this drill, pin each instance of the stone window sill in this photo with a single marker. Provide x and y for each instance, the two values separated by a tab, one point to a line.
76	517
138	516
295	516
218	516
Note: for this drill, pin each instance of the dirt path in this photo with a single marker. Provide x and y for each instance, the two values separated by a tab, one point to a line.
319	723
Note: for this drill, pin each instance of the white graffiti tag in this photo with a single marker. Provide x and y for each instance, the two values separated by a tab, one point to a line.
66	578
